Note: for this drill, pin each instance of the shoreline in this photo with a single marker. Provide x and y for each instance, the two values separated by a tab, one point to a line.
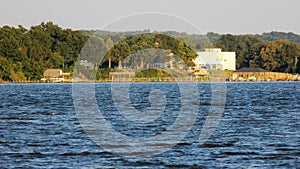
195	81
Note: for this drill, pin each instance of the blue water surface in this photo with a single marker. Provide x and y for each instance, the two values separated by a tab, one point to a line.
259	128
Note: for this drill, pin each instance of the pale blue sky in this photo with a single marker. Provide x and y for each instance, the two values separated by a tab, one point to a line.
221	16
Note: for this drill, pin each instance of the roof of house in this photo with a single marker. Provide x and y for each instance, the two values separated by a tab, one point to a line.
207	58
251	70
53	72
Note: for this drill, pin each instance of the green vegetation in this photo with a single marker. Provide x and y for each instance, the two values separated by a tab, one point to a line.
273	36
252	51
26	53
135	43
152	73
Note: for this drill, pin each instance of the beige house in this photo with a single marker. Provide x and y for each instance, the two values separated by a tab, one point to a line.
55	75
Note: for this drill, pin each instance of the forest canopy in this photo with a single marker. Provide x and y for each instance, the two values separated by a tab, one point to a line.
26	53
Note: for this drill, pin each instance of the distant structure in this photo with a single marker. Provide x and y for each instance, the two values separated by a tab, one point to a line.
55	75
87	64
121	76
215	59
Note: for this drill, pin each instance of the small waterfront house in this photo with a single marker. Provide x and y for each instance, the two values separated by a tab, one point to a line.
55	75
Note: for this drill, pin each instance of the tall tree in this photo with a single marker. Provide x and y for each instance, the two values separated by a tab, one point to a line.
109	44
280	56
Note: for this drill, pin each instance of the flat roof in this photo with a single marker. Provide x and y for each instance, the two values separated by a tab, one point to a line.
251	70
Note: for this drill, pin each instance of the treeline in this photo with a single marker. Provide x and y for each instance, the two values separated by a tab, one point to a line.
273	36
26	53
252	51
275	51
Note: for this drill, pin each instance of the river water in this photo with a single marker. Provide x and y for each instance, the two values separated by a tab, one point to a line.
259	127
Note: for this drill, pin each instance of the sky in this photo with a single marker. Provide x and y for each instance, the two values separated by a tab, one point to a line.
192	16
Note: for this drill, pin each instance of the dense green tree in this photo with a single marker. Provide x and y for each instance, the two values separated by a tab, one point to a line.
12	43
25	54
15	72
227	42
213	37
247	51
4	68
280	56
133	44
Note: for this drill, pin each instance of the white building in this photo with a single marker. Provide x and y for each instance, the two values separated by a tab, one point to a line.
215	59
